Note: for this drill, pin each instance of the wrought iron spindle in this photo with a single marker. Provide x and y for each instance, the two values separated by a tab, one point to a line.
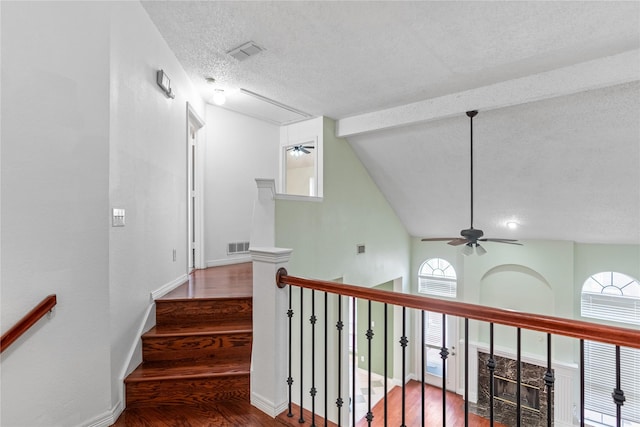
385	364
466	372
353	362
312	392
491	365
290	378
403	342
581	383
369	338
339	327
326	340
301	419
618	394
444	353
423	366
549	380
518	378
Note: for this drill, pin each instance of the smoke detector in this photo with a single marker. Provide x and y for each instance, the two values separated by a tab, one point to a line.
245	51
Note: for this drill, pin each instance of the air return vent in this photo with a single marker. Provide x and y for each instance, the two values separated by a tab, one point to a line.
245	51
237	248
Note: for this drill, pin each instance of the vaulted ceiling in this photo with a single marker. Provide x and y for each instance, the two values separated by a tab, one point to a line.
557	140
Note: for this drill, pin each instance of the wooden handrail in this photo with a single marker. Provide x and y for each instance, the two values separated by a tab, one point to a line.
27	322
554	325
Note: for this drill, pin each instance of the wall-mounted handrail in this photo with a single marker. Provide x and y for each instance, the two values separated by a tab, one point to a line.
27	322
554	325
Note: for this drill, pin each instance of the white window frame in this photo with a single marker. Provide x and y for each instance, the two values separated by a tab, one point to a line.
437	277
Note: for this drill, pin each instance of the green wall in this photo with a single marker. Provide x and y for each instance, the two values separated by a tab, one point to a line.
324	235
378	342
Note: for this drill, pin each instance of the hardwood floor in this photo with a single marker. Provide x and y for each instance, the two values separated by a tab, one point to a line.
235	282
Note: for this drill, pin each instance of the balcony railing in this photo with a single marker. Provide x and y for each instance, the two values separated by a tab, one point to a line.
313	335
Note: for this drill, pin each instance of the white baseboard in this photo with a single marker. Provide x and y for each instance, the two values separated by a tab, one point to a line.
106	419
267	406
168	287
228	261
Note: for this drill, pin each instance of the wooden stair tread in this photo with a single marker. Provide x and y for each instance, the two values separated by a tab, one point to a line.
221	327
164	371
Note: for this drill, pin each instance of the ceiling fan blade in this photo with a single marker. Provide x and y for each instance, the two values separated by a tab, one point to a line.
304	150
291	148
507	241
439	239
311	147
458	242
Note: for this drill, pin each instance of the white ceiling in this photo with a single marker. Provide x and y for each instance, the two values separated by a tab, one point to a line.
557	140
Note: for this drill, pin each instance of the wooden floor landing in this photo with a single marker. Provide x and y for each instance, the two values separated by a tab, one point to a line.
234	280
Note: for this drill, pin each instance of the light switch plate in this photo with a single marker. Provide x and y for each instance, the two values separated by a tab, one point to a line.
117	217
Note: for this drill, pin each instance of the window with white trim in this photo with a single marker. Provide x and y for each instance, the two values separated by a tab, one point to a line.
437	277
615	297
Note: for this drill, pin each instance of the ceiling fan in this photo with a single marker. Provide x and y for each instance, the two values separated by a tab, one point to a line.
471	236
299	150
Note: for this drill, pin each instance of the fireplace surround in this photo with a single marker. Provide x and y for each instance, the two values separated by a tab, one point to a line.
533	392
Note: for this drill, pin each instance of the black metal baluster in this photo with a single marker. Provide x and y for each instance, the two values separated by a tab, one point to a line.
422	343
491	365
312	392
326	340
549	380
301	419
581	383
403	342
339	327
353	363
385	364
466	372
618	394
369	338
518	379
444	353
290	378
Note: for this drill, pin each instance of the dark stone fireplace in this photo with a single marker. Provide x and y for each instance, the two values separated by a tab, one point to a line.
533	392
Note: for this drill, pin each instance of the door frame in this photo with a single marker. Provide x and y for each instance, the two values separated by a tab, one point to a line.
195	180
452	331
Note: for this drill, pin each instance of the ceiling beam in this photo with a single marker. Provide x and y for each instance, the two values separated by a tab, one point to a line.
595	74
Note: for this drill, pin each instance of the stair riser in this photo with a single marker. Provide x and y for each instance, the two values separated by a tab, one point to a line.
202	311
189	392
223	346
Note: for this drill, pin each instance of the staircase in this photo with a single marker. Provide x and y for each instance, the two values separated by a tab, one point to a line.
198	353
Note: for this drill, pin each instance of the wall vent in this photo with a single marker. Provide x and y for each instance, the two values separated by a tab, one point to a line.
360	249
245	51
237	248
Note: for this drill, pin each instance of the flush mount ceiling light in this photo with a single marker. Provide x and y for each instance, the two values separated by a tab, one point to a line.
512	225
471	236
219	97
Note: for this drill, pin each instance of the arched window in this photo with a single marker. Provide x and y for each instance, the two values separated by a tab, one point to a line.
616	297
437	277
611	296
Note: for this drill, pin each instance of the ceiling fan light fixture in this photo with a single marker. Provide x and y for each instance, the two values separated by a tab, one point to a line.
480	250
467	250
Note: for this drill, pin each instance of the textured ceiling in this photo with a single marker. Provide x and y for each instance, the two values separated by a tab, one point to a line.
566	167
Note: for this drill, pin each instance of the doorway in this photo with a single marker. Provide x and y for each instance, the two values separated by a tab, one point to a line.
434	366
194	191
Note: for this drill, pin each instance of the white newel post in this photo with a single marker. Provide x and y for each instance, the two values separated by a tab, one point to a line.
269	354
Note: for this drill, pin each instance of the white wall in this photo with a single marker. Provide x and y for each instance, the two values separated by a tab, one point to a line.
148	175
239	149
55	184
85	129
